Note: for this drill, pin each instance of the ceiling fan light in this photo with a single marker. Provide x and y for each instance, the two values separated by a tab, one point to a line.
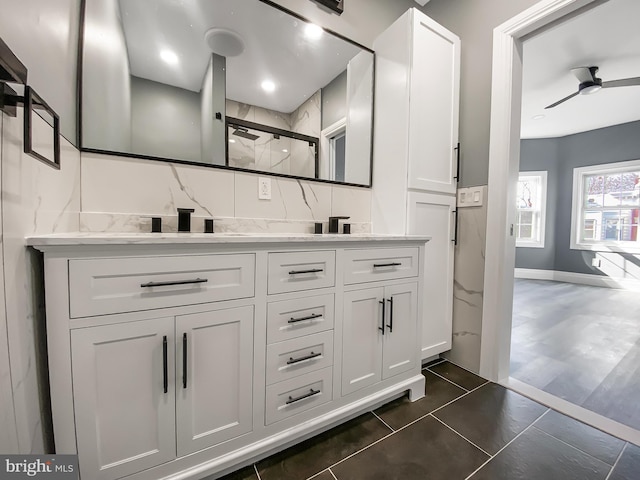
590	89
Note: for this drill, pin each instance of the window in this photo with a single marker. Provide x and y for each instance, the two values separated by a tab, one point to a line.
606	207
531	204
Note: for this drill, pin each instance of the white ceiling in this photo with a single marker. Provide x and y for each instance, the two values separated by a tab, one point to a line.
607	36
275	49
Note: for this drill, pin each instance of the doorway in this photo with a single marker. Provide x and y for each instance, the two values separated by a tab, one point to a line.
503	175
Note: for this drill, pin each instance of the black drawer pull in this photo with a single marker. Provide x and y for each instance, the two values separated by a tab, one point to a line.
176	282
380	265
311	393
390	324
302	319
383	315
292	360
312	270
165	366
184	360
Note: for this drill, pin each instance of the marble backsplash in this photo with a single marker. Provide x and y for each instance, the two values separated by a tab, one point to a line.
117	196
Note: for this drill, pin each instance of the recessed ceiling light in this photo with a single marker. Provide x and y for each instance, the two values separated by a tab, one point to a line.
169	57
285	150
231	140
268	86
537	117
312	31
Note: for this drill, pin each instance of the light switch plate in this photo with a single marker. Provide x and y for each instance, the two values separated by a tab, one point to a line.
470	197
264	188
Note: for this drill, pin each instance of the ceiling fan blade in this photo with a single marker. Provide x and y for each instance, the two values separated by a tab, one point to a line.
585	74
623	82
561	101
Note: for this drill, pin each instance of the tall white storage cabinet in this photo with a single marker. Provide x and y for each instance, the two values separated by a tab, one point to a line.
416	149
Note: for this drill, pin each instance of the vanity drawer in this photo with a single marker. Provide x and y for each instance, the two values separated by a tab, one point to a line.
296	357
380	264
295	271
297	395
288	319
101	286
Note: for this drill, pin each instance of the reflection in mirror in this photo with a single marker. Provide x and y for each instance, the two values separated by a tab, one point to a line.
162	78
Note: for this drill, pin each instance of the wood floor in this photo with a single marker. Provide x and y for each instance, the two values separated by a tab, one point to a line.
579	343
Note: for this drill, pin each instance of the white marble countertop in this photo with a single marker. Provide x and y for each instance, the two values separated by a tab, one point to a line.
86	238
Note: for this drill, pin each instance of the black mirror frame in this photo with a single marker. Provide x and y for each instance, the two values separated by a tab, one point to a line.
271	3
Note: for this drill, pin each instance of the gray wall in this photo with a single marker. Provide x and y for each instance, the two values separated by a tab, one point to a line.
165	120
606	145
106	82
474	21
334	100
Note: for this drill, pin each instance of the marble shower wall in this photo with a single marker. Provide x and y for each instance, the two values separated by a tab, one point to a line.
282	155
121	194
306	119
36	199
468	287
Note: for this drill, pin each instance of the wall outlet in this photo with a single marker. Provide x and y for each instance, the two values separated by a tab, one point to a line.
595	262
264	188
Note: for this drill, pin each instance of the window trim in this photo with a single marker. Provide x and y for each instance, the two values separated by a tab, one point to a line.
543	209
576	207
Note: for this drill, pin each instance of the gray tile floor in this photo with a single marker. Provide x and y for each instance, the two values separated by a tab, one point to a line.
579	343
464	428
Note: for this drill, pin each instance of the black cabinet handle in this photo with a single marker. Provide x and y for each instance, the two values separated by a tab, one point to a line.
390	300
292	360
455	228
312	270
176	282
165	366
311	393
457	149
382	327
184	360
301	319
380	265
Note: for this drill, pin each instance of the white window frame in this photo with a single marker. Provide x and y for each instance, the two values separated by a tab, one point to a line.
327	148
542	174
577	210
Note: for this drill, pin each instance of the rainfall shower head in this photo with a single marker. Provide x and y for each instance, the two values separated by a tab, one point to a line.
244	133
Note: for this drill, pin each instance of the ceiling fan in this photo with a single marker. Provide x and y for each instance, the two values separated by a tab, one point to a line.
589	83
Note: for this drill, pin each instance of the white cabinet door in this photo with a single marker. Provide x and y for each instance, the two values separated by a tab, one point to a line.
433	215
433	112
362	339
124	397
400	345
213	377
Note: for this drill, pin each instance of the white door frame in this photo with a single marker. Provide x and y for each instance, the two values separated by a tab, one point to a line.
504	160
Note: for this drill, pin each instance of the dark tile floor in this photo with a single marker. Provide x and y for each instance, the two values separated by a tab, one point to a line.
464	428
558	328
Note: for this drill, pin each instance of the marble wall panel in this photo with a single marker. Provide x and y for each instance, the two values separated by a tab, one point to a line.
469	286
119	185
36	199
290	199
8	432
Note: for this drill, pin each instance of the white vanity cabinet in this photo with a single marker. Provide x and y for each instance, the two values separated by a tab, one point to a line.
379	336
124	398
187	356
417	153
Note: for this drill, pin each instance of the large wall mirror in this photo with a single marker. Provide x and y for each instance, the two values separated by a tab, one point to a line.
240	84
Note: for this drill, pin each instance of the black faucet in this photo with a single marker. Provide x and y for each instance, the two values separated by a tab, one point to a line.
184	219
333	223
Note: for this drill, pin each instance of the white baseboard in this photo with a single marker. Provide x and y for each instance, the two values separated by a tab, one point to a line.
580	278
